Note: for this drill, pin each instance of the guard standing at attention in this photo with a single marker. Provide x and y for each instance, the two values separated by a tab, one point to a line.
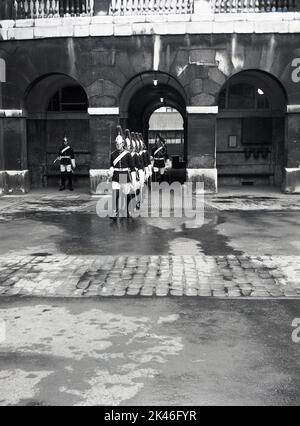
123	175
159	154
146	160
67	164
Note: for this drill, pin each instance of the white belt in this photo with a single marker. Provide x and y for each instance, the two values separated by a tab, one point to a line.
161	158
66	157
121	170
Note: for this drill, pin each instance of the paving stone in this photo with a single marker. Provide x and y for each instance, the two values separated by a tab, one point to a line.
186	275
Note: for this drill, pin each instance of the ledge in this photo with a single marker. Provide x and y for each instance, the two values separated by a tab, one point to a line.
97	26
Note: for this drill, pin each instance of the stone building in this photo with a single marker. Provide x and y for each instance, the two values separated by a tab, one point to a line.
231	68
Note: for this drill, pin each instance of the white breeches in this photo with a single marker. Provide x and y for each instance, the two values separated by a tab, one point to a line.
66	168
124	187
142	177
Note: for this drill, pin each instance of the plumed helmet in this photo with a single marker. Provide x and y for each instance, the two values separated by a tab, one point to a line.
138	143
120	135
143	145
133	140
128	140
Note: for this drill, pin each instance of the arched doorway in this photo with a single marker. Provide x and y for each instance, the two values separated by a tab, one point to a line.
169	124
56	105
144	95
251	130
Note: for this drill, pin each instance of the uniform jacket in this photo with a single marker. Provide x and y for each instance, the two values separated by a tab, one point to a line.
66	151
125	163
162	153
146	158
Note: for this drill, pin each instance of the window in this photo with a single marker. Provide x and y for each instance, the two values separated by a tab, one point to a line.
243	96
69	99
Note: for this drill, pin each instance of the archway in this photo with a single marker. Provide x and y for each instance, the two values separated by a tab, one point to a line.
169	124
251	130
55	105
145	94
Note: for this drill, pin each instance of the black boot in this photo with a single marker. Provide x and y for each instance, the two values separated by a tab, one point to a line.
115	204
70	181
62	181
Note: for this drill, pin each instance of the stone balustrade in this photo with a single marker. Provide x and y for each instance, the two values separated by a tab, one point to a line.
33	9
252	6
151	7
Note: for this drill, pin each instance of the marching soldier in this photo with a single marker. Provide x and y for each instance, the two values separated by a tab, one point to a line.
159	154
67	164
146	160
123	173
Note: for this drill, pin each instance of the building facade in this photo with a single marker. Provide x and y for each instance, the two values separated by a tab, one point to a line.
231	68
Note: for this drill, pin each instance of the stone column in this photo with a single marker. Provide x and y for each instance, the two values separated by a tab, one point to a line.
201	146
14	151
292	148
103	122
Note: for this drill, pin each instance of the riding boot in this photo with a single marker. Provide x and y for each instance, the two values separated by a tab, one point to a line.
115	203
62	181
129	204
70	181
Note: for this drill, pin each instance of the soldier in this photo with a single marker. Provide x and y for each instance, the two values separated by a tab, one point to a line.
67	164
159	154
146	160
123	173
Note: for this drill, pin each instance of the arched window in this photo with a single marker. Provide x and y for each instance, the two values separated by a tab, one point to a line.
243	96
2	71
69	99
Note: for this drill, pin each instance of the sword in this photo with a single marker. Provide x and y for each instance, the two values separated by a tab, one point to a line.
57	159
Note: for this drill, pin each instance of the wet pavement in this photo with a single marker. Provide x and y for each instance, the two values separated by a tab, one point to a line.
162	351
228	343
54	245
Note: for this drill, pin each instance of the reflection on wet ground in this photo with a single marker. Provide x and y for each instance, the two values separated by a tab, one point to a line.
81	233
220	233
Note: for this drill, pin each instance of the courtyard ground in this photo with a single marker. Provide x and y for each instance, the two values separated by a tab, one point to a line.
95	312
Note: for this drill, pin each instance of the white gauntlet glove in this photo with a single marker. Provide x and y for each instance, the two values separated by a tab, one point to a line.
110	172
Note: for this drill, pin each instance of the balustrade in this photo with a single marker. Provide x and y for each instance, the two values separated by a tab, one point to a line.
33	9
252	6
150	7
26	9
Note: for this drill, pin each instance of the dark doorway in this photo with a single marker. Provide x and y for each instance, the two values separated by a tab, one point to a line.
61	110
251	130
144	95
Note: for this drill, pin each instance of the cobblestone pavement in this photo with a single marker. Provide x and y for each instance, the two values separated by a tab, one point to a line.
218	276
189	268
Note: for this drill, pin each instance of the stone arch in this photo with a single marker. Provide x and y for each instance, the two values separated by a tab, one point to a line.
251	129
144	82
47	85
269	83
46	128
141	97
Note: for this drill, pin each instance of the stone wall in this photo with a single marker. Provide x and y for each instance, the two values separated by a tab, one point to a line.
201	63
103	66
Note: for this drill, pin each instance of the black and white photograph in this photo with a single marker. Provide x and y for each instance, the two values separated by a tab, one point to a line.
149	206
